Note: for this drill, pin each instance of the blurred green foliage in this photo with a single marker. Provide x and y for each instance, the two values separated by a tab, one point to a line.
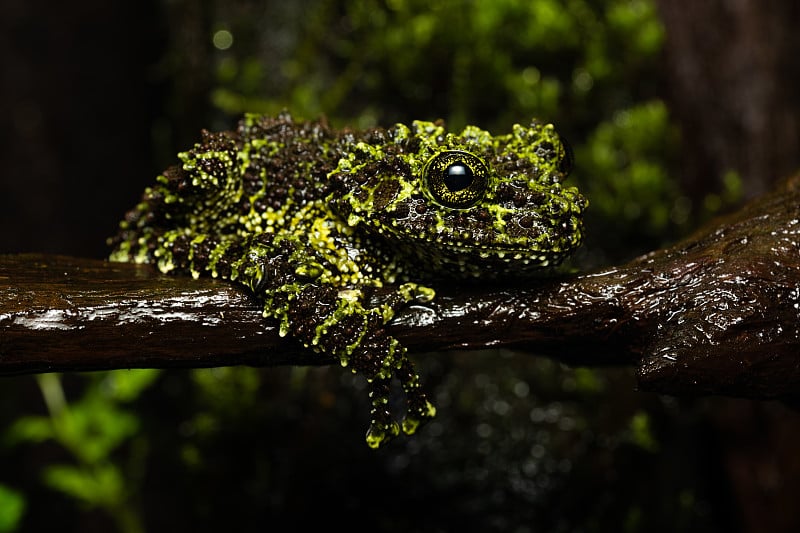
590	66
252	440
90	429
12	507
493	63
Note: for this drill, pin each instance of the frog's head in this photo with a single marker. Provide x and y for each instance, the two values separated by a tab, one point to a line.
466	204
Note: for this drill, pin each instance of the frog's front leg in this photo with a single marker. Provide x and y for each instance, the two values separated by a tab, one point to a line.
380	357
333	318
302	287
335	321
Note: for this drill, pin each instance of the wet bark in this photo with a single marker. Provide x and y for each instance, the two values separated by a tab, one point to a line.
714	314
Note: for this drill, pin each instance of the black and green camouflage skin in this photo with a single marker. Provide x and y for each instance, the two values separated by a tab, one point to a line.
312	220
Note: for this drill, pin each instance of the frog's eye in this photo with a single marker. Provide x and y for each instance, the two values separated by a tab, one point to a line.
456	179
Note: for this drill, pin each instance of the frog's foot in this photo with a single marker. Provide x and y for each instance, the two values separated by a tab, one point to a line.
393	364
382	427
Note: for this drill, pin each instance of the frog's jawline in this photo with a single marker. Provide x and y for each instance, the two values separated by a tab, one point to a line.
467	263
457	252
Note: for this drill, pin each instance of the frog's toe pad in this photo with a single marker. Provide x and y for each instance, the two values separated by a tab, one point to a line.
417	416
380	433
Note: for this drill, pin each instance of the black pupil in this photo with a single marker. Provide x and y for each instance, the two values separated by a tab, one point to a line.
457	176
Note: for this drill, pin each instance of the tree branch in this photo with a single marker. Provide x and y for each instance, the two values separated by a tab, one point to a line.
716	313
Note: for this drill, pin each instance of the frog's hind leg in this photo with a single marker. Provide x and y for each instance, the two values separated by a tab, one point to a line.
245	260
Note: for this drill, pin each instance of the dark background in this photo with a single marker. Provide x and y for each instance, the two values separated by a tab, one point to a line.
80	94
97	97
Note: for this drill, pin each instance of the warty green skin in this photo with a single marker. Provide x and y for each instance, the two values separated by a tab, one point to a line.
313	220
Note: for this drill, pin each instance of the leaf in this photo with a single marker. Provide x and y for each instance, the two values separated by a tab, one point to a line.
29	429
12	507
127	385
94	428
101	485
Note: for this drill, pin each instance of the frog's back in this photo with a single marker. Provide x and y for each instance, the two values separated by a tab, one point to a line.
240	182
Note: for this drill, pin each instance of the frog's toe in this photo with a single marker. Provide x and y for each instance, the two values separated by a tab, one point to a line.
420	410
381	432
382	426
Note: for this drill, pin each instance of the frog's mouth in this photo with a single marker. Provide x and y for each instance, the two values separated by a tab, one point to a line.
503	253
465	262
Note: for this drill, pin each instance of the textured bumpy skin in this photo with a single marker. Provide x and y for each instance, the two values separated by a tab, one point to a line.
312	220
